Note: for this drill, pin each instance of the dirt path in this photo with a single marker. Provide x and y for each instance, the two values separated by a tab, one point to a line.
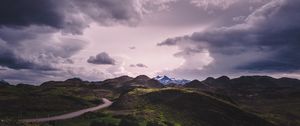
106	103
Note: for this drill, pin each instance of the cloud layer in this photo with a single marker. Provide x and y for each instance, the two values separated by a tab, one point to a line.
267	41
72	16
40	36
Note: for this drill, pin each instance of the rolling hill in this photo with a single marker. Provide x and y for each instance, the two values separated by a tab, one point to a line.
184	108
143	101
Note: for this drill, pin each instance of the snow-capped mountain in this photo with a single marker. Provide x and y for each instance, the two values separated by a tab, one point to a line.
168	80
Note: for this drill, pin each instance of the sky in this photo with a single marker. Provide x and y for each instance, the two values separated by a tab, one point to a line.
94	40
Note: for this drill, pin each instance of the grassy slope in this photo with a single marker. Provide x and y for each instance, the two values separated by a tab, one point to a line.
141	107
278	105
166	107
183	107
27	102
283	112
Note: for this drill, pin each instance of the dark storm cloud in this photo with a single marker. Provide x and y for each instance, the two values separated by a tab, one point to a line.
268	40
29	12
205	12
15	36
32	76
109	10
71	16
11	60
30	48
41	36
101	59
21	76
28	28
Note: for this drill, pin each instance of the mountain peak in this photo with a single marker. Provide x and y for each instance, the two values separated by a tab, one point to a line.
142	77
167	80
223	78
196	84
74	80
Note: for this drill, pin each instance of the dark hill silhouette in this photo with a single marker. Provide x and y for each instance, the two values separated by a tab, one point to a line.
69	82
126	82
263	95
188	108
115	82
197	84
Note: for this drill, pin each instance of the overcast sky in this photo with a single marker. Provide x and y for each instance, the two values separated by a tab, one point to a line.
98	39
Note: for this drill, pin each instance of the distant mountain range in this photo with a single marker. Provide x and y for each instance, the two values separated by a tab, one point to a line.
167	80
122	83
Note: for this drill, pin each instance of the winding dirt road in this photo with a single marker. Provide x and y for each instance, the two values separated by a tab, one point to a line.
106	103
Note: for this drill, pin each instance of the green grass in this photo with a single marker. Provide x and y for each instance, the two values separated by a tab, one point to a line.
184	107
280	111
24	102
140	107
88	119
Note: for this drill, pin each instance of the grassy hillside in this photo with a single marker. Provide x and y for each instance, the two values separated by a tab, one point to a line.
276	100
184	107
283	112
141	101
30	101
166	107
